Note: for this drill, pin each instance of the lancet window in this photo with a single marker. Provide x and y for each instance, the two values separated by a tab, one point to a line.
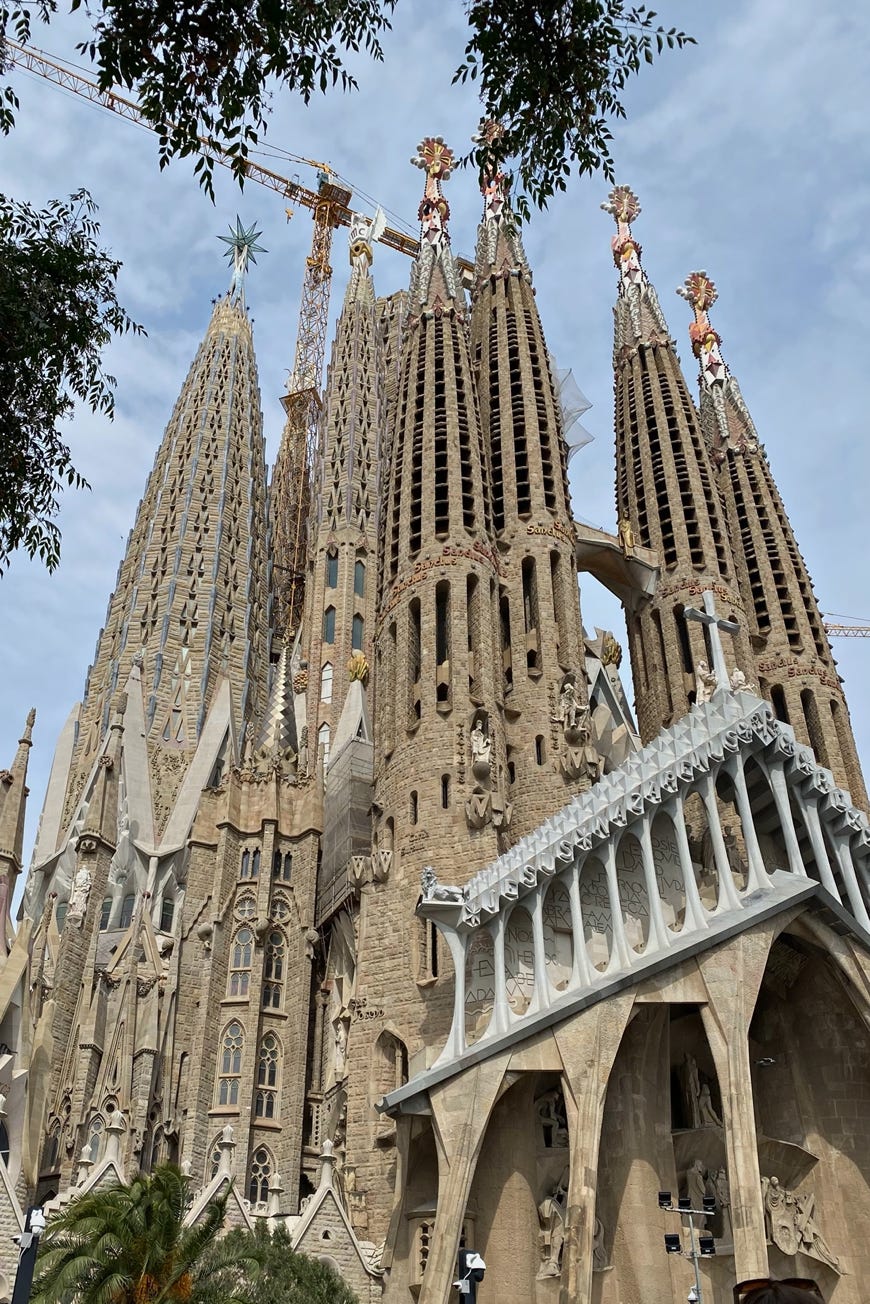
240	966
259	1175
273	970
229	1080
266	1101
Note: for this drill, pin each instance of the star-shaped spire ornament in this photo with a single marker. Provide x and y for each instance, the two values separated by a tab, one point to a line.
243	246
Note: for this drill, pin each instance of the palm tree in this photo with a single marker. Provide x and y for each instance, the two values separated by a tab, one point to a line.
129	1245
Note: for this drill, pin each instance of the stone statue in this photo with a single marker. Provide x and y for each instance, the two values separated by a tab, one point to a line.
79	896
722	1194
779	1215
302	761
706	683
708	1115
790	1222
340	1036
626	536
696	1187
551	1213
481	744
553	1119
691	1089
570	710
811	1239
738	683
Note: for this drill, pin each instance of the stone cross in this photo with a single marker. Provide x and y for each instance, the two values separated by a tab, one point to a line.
709	618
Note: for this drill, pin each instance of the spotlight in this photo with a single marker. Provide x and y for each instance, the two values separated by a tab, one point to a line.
684	1204
707	1246
664	1199
673	1243
709	1203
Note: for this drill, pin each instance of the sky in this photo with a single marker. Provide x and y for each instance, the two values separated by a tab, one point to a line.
751	157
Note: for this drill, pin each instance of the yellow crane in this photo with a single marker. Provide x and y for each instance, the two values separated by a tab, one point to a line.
330	208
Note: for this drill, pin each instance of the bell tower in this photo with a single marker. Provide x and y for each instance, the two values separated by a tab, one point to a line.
666	497
792	663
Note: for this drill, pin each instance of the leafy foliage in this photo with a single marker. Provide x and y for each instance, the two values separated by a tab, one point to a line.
284	1276
552	74
58	310
129	1245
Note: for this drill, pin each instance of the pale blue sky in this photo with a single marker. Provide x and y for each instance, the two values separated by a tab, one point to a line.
751	158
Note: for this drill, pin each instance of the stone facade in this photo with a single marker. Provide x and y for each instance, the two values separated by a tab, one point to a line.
387	914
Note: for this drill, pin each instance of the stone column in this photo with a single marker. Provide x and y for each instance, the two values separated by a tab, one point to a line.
588	1043
461	1109
732	974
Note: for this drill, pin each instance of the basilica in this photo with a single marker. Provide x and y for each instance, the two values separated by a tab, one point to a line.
384	906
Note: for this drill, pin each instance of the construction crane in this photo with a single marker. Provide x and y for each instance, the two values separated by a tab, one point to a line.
846	631
330	208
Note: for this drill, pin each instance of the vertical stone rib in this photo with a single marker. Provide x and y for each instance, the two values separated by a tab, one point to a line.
665	492
792	659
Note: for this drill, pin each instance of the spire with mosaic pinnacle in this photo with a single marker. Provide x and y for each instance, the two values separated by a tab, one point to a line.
539	608
793	663
340	588
189	607
666	498
434	674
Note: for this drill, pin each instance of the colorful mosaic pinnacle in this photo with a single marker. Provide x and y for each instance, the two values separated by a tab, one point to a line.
623	204
435	158
701	293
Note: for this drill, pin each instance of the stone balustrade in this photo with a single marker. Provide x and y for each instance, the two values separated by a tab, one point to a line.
720	819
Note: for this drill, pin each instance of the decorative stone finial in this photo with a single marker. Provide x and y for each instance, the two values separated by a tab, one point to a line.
243	245
227	1147
701	293
327	1164
358	668
622	204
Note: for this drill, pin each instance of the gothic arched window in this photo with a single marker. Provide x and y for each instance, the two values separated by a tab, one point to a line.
214	1158
323	737
105	912
229	1081
246	907
127	911
358	630
52	1149
329	625
265	1103
95	1139
326	682
260	1173
273	970
359	579
240	963
167	914
331	570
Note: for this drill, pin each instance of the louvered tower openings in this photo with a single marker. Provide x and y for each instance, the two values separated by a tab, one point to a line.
440	763
792	664
666	495
541	642
190	601
342	587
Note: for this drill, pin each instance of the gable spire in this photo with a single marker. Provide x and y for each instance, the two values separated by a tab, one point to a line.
724	415
639	318
434	278
499	247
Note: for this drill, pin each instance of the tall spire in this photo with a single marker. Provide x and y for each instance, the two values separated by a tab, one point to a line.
13	799
340	589
665	493
189	607
792	659
542	647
